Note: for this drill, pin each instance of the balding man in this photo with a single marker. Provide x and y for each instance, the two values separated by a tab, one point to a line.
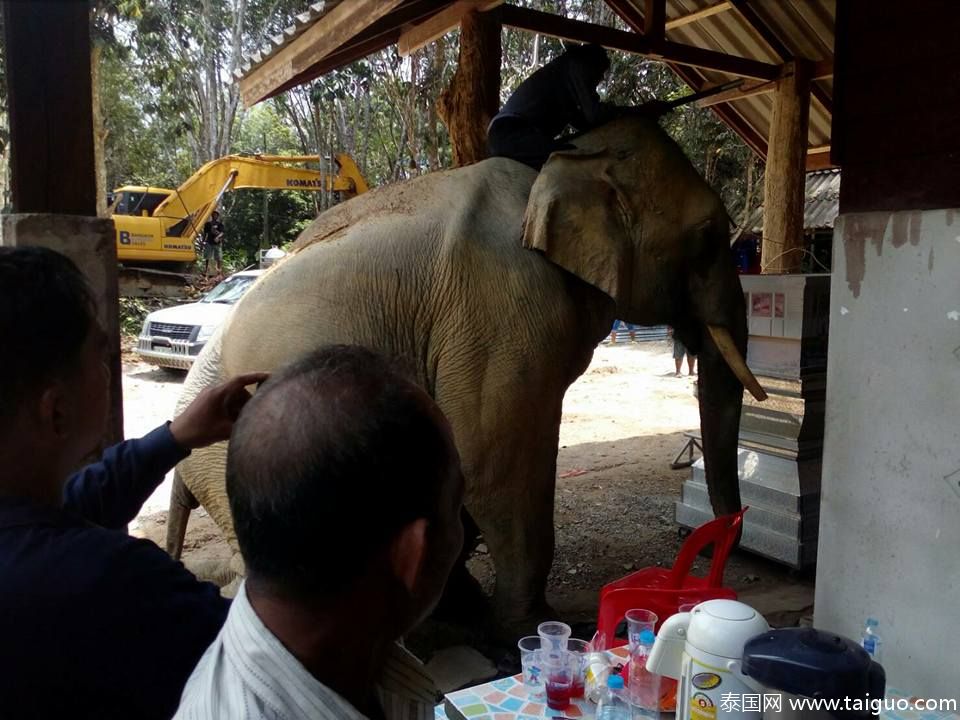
345	489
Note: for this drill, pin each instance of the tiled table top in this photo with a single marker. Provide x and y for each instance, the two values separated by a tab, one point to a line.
509	699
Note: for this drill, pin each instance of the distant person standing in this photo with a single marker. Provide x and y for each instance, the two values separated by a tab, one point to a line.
213	237
679	350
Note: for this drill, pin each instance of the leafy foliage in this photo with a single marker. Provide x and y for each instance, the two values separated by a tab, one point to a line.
169	103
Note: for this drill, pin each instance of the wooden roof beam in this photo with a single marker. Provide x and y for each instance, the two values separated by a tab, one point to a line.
822	69
818	160
754	20
655	21
699	15
694	78
578	31
333	30
381	34
417	36
748	89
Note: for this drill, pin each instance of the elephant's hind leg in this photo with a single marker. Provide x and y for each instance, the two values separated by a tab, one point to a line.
508	447
182	502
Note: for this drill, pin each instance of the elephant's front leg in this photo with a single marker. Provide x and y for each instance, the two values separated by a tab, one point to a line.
507	440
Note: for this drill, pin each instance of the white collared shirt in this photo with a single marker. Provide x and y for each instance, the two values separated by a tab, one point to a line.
247	674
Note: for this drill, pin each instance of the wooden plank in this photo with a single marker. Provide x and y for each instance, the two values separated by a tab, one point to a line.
381	34
750	89
584	32
818	161
52	168
823	69
418	36
785	175
727	114
818	149
655	19
330	32
698	15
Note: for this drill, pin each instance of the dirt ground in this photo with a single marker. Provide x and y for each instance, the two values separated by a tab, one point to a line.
623	424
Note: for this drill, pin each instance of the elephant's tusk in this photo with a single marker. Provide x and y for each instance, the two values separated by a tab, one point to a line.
727	348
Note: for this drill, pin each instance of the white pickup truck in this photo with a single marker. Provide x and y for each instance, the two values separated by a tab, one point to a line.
174	336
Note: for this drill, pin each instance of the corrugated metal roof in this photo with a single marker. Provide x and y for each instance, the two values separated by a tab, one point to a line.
765	30
302	22
804	27
821	202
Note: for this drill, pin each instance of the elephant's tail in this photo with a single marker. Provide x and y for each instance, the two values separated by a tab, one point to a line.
182	502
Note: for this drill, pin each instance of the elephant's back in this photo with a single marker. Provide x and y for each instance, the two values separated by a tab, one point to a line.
434	194
390	270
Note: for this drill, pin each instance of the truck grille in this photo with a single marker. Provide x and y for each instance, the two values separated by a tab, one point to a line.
168	330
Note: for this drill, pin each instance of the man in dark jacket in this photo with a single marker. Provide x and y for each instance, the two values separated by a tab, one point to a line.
213	237
560	94
94	623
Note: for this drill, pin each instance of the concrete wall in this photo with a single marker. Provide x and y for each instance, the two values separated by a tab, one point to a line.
890	508
90	242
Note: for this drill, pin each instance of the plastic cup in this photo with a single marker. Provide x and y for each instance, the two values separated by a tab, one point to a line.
560	669
554	636
686	607
580	651
637	621
533	671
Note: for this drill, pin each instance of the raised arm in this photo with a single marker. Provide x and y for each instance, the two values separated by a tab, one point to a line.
109	493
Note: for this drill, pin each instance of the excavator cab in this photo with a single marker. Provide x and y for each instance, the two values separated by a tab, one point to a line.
133	200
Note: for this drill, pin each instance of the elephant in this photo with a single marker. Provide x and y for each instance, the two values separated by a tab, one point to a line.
494	284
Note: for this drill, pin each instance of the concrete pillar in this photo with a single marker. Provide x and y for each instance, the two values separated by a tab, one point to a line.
786	171
90	242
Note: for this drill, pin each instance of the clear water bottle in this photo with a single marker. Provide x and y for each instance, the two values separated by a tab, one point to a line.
612	705
870	640
644	685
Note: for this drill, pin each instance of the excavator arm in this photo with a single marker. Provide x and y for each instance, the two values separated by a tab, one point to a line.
167	233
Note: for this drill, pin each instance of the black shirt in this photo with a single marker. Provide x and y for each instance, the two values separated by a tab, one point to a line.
213	232
563	92
95	623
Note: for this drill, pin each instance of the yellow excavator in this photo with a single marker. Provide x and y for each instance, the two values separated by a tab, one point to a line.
157	227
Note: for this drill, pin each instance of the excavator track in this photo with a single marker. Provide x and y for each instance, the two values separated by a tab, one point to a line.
137	282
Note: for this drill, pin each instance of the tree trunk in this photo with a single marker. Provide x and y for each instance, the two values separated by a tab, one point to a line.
99	132
473	98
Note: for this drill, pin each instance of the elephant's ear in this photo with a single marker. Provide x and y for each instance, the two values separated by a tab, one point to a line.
578	216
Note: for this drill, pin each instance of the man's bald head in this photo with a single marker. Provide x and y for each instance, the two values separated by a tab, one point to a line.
332	457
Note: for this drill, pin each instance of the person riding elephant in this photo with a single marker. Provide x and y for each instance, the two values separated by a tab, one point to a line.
561	94
494	284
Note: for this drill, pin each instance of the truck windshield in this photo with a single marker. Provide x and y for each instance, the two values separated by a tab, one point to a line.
230	290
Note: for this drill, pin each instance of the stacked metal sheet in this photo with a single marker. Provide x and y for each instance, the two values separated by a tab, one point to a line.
781	439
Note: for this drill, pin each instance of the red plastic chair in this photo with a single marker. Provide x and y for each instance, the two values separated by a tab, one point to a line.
663	590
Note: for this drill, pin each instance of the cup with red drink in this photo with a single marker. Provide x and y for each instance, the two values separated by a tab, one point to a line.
580	650
561	669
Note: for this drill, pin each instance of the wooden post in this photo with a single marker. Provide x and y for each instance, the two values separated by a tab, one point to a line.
654	20
786	171
52	167
473	98
50	109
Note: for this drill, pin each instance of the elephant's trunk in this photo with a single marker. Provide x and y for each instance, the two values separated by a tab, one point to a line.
721	400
